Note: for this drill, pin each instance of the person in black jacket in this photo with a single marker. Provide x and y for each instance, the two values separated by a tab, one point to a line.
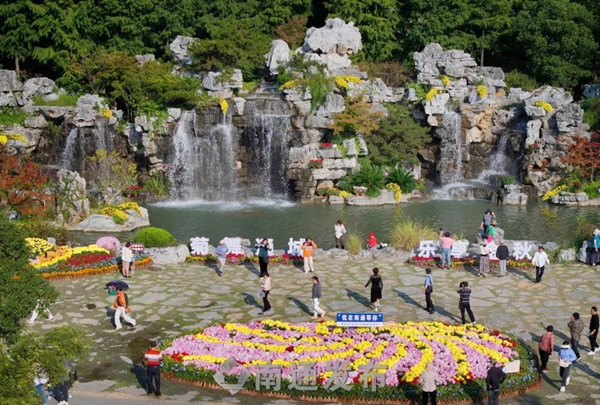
263	256
495	377
465	302
594	324
502	255
376	287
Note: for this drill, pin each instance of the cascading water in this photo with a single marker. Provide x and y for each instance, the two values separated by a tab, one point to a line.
450	165
68	153
81	143
501	163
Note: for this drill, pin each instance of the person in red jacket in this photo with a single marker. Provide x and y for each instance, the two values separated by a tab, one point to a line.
372	241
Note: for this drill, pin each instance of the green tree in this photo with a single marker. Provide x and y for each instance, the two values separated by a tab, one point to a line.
377	21
398	139
553	42
20	285
17	36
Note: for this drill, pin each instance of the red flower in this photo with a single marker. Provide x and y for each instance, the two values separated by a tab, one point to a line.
289	349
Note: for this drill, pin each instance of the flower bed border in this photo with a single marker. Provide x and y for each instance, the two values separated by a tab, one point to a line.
240	259
94	271
468	261
528	380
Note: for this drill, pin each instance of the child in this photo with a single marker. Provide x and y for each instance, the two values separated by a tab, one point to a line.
372	242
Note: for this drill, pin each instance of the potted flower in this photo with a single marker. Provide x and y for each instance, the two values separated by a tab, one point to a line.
315	164
326	145
132	191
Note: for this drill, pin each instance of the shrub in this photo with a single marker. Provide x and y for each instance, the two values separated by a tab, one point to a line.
393	74
507	180
293	31
407	234
354	243
38	228
111	170
10	116
154	237
591	112
515	79
346	183
64	100
371	177
583	232
403	178
591	189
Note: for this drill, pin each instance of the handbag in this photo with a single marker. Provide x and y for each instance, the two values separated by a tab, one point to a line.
429	289
564	363
260	293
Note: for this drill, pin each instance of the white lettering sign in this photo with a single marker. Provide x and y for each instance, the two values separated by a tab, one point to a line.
521	250
459	248
270	240
492	247
427	248
199	246
234	245
294	247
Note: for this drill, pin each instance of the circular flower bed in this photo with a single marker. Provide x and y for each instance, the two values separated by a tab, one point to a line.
397	352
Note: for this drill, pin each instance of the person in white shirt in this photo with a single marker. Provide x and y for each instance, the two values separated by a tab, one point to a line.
484	260
126	257
340	230
540	259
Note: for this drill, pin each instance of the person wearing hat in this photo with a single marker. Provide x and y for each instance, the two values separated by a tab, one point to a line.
221	252
566	357
596	248
495	377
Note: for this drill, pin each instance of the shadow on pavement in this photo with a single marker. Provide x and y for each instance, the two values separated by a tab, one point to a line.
250	300
358	297
302	306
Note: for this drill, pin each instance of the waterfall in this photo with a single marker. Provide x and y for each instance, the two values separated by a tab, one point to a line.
268	141
68	153
501	163
450	164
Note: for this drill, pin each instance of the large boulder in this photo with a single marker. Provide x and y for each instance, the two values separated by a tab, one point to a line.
592	90
278	55
179	48
169	255
9	84
569	117
88	107
336	36
105	224
38	86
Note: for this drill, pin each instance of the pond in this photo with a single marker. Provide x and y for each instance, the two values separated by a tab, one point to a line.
282	219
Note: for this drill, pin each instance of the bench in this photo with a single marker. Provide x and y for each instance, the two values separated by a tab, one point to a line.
137	247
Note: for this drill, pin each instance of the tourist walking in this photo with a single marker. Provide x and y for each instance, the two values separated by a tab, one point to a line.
495	377
596	248
502	256
575	326
121	306
446	242
152	360
464	303
427	381
340	230
40	379
263	256
316	296
427	290
484	259
546	347
540	259
265	287
566	357
488	217
593	334
41	303
126	258
308	248
376	286
372	241
221	252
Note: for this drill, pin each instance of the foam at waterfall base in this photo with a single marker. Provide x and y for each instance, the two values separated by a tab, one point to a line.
464	190
205	205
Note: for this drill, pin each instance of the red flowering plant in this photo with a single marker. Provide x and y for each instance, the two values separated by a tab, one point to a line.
326	145
315	164
132	191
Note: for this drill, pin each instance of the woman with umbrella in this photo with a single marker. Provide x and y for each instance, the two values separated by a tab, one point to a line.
121	304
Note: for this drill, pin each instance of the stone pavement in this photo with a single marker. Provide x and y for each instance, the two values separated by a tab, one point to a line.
167	301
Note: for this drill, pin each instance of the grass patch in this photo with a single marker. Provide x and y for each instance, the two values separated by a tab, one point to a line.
407	234
10	116
354	243
64	100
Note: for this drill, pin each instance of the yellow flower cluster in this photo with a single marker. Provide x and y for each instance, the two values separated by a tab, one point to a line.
482	91
432	93
555	191
4	138
445	81
544	104
343	81
130	206
106	112
70	253
285	326
224	105
290	84
38	246
204	357
395	188
114	212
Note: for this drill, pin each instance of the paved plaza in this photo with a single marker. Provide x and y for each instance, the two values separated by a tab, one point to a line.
167	301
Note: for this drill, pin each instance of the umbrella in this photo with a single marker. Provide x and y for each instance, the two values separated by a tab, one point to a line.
117	284
109	242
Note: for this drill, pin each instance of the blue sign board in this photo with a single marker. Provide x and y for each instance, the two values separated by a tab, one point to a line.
359	319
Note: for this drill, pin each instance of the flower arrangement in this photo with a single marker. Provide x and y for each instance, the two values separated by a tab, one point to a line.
4	138
343	81
546	106
132	191
482	91
315	164
445	81
326	145
94	268
117	212
434	91
343	194
38	246
130	206
455	262
555	191
290	84
224	105
239	258
399	351
63	254
106	113
395	188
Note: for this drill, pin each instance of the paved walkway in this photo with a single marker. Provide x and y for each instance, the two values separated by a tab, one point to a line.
168	301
